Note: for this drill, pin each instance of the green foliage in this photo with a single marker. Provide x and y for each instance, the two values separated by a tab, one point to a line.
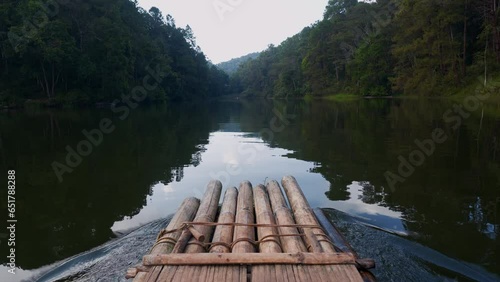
381	48
231	66
95	51
371	67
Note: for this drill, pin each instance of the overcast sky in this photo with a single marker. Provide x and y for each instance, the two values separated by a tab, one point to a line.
239	27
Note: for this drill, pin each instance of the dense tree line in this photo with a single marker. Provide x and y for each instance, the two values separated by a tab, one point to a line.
232	65
86	51
381	48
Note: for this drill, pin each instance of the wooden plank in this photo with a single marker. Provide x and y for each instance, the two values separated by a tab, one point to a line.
210	273
236	273
264	215
220	274
320	272
244	258
196	273
206	213
188	274
203	273
344	273
258	274
167	273
307	275
179	273
233	273
243	274
227	214
244	214
281	273
290	274
152	275
270	273
301	272
283	216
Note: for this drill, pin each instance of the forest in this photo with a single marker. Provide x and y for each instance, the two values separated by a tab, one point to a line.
381	48
231	66
95	51
84	52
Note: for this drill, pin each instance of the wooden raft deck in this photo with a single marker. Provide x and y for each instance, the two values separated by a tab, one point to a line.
254	236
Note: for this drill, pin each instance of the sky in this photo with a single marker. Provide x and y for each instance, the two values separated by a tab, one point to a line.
227	29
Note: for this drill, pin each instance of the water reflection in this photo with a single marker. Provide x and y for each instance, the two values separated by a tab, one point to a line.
361	204
338	152
231	157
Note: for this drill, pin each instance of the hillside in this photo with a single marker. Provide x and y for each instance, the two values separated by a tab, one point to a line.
232	65
387	47
99	51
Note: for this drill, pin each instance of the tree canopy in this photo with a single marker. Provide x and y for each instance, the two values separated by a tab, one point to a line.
86	51
382	47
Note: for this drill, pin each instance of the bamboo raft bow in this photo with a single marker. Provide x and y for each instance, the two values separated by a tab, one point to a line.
254	236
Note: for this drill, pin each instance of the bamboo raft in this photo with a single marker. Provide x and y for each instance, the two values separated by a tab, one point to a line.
253	236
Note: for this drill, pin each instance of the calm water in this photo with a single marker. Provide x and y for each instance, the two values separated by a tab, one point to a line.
441	222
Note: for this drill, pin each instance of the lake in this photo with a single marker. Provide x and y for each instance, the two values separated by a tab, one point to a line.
413	183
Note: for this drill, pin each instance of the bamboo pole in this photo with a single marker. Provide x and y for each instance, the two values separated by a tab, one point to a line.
303	212
304	215
343	245
264	215
206	213
337	238
244	214
251	259
224	233
269	243
183	241
185	213
283	215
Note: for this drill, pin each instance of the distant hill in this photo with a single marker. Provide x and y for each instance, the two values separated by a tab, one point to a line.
232	66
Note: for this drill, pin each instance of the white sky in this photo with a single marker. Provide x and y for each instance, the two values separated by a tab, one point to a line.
250	26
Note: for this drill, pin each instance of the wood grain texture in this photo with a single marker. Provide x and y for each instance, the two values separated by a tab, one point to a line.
227	214
264	215
284	216
245	214
302	210
246	258
206	213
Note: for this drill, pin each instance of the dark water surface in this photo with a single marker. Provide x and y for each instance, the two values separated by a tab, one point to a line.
441	223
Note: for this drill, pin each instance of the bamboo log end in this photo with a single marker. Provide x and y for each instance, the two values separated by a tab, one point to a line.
288	178
196	234
191	200
131	273
366	263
